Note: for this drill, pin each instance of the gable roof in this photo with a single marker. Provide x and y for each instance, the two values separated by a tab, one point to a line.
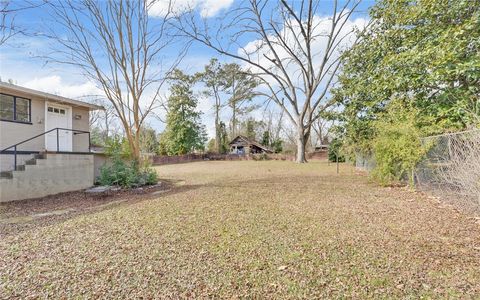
8	87
251	142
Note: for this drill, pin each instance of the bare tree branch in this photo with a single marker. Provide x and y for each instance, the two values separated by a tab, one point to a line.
117	45
285	56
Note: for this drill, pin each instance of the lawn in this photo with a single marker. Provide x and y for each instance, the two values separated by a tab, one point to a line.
251	229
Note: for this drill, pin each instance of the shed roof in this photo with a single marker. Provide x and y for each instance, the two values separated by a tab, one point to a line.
8	87
250	142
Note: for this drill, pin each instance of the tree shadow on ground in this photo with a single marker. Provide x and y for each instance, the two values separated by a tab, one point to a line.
19	216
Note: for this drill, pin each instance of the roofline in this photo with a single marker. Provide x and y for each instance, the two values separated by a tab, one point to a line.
252	142
17	88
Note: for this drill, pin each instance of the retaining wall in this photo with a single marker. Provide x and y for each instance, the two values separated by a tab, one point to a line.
57	173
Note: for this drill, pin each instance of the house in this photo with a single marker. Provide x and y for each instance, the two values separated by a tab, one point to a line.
243	145
44	143
322	148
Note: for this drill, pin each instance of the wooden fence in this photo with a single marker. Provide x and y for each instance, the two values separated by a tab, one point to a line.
166	160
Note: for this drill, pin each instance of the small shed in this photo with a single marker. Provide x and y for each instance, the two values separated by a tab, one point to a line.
243	145
322	148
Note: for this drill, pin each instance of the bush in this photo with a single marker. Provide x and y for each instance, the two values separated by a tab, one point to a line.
117	146
397	146
334	150
127	174
260	156
263	156
122	171
277	146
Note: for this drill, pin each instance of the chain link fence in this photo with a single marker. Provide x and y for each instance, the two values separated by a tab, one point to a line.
451	168
364	162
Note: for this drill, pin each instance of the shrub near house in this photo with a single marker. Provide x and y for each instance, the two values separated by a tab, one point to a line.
123	171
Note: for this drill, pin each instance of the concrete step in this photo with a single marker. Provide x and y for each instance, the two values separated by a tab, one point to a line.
40	156
31	162
6	174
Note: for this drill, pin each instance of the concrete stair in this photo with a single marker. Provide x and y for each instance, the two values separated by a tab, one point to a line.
30	162
45	174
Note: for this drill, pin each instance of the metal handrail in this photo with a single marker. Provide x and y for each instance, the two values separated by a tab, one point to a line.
75	131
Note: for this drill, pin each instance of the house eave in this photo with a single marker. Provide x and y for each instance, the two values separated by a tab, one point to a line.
12	88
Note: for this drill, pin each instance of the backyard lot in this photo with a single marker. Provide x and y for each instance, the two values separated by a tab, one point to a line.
249	229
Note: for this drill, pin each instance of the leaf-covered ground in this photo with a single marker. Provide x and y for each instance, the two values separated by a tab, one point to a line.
252	229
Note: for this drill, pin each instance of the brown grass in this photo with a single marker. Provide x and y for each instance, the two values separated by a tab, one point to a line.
255	230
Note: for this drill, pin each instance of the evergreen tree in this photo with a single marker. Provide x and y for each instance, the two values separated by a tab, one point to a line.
239	85
184	132
266	138
420	53
148	140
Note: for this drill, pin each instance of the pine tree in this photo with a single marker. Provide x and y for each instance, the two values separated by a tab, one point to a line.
184	132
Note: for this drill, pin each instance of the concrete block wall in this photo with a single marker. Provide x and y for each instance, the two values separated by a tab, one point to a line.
57	173
7	161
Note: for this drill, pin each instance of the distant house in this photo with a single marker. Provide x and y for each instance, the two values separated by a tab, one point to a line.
322	148
243	145
320	152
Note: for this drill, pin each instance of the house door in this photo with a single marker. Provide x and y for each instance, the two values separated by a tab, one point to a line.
58	116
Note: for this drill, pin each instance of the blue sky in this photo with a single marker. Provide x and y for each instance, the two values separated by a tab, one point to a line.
21	57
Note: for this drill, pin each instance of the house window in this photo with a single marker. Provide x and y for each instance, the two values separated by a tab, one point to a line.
16	109
56	110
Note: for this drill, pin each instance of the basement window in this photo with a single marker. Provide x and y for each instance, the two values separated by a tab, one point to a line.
15	109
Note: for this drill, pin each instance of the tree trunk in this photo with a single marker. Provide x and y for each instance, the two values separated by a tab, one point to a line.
234	120
300	145
134	148
218	142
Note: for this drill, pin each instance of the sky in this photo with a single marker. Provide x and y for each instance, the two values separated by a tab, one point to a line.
22	58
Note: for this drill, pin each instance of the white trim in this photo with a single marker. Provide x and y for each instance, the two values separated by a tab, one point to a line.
69	113
7	87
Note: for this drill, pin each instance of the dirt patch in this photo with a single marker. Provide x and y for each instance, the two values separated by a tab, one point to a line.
17	216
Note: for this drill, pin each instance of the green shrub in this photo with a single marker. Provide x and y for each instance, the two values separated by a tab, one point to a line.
263	156
334	150
397	146
126	174
117	146
122	171
277	145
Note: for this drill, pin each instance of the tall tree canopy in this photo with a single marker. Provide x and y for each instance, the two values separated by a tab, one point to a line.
213	80
232	87
184	132
239	85
425	54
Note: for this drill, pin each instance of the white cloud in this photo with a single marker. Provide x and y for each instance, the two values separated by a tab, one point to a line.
54	85
207	8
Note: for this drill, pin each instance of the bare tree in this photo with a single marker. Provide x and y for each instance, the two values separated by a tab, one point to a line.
239	85
104	119
7	26
295	54
322	128
212	78
273	123
120	48
8	12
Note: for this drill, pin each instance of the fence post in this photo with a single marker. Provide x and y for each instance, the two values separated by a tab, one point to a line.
336	156
58	144
15	158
